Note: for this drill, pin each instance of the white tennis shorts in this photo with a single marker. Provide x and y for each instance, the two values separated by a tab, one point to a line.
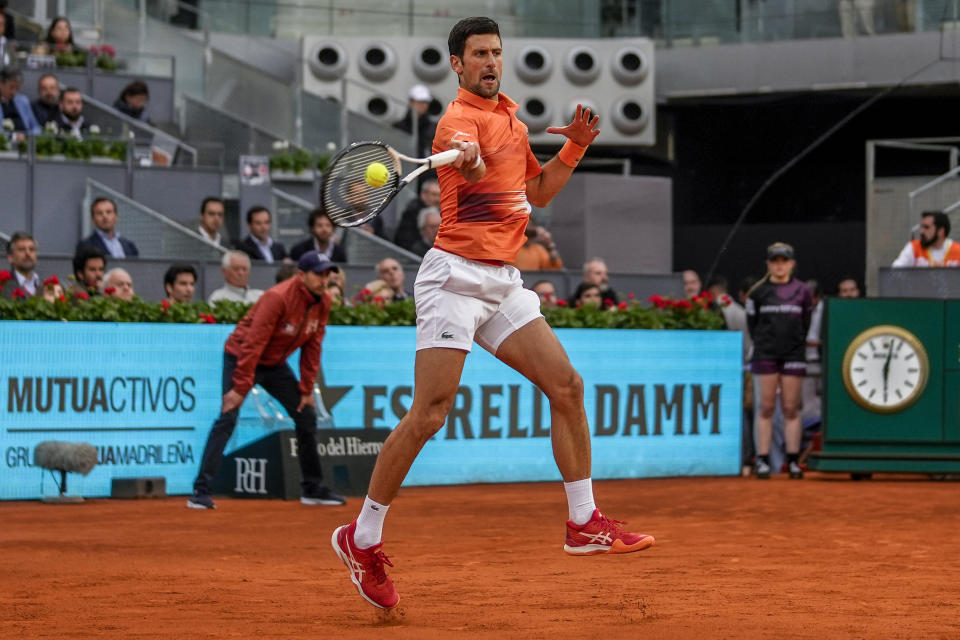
460	301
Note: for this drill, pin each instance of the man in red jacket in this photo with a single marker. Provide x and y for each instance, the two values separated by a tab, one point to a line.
289	316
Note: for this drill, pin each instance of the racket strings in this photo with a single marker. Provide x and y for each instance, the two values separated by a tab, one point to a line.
347	197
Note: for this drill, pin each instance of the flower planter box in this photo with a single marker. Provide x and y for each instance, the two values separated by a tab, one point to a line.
291	176
13	155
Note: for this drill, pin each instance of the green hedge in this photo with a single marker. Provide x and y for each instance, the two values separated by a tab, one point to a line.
79	307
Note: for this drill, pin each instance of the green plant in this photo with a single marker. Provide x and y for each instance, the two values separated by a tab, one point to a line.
71	58
4	142
48	145
302	160
323	160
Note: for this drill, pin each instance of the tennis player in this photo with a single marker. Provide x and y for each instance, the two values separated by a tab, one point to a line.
466	292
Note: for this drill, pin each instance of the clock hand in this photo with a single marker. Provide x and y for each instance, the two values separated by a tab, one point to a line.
886	368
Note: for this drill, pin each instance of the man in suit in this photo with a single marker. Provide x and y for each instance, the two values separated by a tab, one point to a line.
14	105
103	213
321	239
259	245
47	105
22	256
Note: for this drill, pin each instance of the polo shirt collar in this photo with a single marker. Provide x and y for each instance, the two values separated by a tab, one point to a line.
485	103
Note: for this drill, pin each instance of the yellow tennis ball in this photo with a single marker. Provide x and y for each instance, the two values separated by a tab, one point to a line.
377	174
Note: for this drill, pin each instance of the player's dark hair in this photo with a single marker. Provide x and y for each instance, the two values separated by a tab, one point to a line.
99	200
940	220
208	200
254	210
466	28
80	259
170	277
319	212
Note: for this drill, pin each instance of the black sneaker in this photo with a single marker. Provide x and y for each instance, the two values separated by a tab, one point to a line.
762	470
323	496
200	501
796	471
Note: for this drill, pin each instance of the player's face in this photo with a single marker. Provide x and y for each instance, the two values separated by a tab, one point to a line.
481	67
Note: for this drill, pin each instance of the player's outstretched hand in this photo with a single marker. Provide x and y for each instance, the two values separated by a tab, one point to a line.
582	130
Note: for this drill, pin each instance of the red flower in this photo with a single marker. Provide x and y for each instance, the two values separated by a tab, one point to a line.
622	306
109	291
682	304
63	298
82	295
19	294
365	292
608	302
630	295
165	304
4	276
51	281
94	50
211	320
706	295
378	299
561	302
658	302
109	50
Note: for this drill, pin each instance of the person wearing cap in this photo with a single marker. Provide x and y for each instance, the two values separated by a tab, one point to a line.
289	316
420	100
778	308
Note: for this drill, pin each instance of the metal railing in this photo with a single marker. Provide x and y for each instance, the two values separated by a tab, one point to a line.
120	125
155	235
205	123
291	214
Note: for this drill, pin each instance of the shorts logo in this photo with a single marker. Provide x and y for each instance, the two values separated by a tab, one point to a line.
446	335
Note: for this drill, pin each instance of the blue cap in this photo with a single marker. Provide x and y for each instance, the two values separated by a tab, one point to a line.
316	262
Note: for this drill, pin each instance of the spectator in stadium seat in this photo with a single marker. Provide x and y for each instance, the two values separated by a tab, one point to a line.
848	288
376	291
258	244
290	315
408	232
595	272
321	238
103	213
89	263
428	221
692	285
179	283
59	37
933	248
539	253
587	294
212	212
547	292
47	105
133	100
119	284
235	267
336	294
419	108
71	120
392	273
22	256
16	106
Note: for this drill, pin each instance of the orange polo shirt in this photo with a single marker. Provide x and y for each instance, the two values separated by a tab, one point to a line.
486	220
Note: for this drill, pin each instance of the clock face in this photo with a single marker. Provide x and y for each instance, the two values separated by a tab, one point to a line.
885	369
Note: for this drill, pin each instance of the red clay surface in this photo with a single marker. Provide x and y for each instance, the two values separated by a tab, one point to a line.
735	558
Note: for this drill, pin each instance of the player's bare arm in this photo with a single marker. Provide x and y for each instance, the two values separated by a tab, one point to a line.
581	132
469	164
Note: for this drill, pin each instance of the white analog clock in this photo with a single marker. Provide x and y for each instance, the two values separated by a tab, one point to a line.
885	369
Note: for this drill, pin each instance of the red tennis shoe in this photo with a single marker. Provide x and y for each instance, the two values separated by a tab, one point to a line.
603	535
366	568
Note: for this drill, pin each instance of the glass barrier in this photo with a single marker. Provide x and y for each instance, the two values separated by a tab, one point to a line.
365	248
153	146
210	126
155	235
291	214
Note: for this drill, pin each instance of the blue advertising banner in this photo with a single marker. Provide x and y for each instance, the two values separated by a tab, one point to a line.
659	403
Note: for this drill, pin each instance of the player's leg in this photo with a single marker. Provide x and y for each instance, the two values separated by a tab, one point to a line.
217	440
535	351
436	380
791	388
282	384
766	404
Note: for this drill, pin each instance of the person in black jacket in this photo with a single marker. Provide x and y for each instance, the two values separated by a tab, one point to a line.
258	244
321	238
105	239
778	316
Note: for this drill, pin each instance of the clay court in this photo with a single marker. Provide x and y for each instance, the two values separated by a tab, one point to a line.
735	558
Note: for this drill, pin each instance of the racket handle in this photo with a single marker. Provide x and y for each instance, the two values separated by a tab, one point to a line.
444	158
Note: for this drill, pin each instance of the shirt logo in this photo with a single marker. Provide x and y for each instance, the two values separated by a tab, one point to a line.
312	326
289	328
446	335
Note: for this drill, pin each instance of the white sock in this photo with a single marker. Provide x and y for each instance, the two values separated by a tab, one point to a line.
580	500
370	523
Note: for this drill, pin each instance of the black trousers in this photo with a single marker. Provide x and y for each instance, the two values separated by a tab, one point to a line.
279	382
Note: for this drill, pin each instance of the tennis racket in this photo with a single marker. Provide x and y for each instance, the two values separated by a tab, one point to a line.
346	195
